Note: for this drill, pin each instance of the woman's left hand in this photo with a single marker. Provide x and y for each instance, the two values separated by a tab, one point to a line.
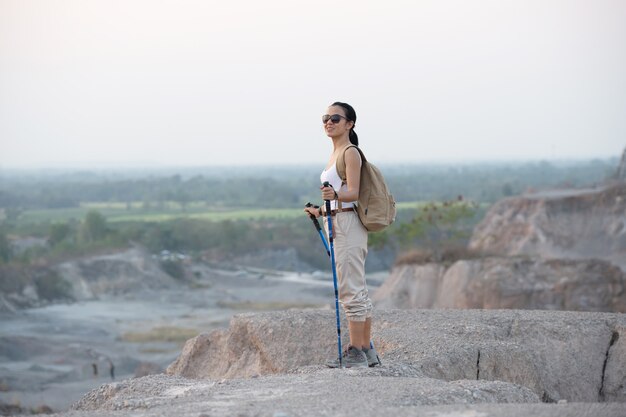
328	193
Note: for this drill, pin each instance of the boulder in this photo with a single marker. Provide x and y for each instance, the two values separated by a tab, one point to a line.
556	355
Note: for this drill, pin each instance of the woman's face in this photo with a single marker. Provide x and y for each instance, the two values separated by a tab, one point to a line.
340	128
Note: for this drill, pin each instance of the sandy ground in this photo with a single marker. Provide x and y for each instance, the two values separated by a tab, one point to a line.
47	354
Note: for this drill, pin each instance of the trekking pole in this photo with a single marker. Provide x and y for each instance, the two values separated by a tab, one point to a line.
332	263
319	228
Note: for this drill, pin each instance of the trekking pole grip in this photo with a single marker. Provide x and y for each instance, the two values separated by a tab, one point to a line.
318	228
312	217
327	184
307	205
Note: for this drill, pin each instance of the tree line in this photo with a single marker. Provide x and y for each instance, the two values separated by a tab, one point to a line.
436	229
292	187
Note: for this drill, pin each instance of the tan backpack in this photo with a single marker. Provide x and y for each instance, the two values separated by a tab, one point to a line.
376	207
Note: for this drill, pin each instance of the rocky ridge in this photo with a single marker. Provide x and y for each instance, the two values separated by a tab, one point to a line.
87	278
583	224
462	361
325	393
558	355
555	250
114	274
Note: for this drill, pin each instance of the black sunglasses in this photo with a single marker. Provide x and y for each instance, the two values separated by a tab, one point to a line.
335	118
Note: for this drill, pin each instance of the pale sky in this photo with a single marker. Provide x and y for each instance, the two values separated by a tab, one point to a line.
194	83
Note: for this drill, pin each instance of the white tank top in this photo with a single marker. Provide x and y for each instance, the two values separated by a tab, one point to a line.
332	176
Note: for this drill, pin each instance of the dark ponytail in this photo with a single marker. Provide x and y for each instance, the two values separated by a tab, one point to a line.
351	116
354	138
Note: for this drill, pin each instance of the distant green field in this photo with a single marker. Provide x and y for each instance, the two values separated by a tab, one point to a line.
121	212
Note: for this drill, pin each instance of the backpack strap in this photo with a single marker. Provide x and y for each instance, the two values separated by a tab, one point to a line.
341	162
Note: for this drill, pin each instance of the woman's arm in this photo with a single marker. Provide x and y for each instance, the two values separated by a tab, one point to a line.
353	179
353	176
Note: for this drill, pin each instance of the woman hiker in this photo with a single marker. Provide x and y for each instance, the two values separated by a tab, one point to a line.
350	236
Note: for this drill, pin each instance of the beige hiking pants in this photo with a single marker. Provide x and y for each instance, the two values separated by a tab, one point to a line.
350	244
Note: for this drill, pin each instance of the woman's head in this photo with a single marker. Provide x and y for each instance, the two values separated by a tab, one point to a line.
345	123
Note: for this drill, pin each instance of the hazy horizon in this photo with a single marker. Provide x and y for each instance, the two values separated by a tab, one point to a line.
188	171
138	84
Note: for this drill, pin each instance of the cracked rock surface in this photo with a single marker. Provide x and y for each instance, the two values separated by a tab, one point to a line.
558	355
435	363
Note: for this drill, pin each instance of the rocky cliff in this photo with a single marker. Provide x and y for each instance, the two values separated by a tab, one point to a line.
502	362
80	279
587	223
117	273
551	250
520	282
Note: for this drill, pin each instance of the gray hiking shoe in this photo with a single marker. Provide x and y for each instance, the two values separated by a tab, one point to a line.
372	357
351	358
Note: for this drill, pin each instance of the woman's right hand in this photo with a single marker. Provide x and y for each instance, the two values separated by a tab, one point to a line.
312	211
